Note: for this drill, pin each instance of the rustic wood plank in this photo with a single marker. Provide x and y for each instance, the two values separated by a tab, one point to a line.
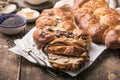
106	67
9	62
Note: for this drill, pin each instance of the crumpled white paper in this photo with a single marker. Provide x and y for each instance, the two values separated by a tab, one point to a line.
94	52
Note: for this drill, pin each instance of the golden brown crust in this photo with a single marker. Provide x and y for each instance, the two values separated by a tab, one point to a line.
108	16
98	32
57	18
90	4
84	36
67	63
41	37
65	50
66	46
100	20
112	39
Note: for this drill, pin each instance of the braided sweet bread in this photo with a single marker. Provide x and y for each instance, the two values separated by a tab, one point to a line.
57	19
100	20
66	46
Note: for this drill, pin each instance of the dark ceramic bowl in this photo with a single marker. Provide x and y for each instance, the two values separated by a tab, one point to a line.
12	24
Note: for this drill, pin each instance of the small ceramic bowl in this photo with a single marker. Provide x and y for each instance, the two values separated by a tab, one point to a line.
12	24
9	9
29	14
35	2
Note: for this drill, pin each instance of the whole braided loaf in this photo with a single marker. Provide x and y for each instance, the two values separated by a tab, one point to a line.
102	21
66	46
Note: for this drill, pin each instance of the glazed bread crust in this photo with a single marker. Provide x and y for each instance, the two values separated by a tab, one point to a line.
100	20
66	46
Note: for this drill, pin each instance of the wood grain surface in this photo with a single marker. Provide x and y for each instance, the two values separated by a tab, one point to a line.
9	62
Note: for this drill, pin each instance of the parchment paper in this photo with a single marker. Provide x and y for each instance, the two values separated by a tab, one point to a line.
94	52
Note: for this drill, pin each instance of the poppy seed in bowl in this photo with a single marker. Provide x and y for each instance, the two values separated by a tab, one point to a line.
12	24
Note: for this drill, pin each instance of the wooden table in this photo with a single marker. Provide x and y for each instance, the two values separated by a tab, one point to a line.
15	67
